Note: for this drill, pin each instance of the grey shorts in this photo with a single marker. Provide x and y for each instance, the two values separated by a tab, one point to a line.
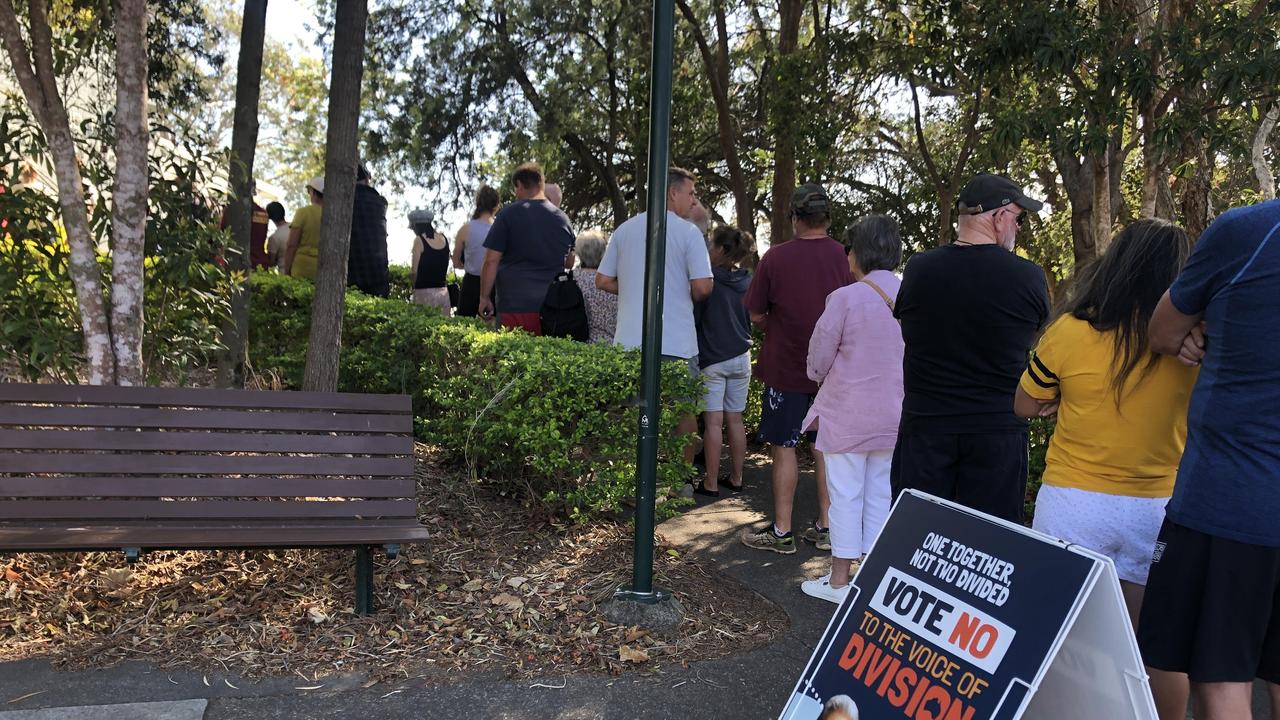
726	384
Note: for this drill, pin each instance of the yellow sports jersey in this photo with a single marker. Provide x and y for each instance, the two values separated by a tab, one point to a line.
1132	448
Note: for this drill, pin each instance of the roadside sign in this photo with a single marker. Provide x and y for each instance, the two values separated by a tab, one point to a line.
956	615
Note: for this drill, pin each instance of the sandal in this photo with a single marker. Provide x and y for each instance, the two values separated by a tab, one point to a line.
701	489
735	489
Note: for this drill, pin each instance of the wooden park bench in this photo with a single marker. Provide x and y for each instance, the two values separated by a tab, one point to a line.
137	469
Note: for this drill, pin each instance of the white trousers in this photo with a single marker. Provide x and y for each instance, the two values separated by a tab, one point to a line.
860	500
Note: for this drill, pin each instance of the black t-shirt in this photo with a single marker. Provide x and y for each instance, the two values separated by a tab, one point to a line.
970	315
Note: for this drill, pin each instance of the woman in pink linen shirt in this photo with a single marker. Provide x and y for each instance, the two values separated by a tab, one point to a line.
855	354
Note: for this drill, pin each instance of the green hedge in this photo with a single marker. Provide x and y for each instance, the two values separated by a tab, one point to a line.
549	418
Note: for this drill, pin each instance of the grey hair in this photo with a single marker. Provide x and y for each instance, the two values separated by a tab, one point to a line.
875	243
590	248
842	703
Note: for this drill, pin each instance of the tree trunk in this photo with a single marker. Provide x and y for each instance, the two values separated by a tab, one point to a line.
129	197
35	73
946	216
1266	178
1077	179
341	156
244	141
1101	205
717	65
784	107
1195	193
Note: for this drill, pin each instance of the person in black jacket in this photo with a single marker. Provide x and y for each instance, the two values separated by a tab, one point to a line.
367	256
724	345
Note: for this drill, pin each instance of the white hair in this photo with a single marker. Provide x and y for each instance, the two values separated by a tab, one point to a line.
843	703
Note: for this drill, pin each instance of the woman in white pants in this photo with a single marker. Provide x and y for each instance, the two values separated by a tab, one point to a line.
855	354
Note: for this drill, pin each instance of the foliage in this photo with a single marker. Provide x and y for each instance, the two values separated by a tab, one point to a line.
551	419
185	292
39	333
1041	433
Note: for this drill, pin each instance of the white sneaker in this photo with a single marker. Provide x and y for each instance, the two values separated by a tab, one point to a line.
821	588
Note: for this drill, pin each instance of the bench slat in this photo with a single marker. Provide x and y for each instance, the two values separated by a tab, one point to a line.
97	510
33	537
124	417
200	441
203	397
148	464
50	487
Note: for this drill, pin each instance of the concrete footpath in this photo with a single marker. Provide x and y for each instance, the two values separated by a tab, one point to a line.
752	685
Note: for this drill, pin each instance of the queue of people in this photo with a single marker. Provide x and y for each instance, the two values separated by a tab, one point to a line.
1158	362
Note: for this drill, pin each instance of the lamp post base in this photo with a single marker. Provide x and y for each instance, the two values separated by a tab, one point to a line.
656	610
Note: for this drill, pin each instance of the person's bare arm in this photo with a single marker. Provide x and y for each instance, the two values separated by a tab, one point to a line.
295	237
701	288
459	242
606	283
1173	333
570	259
760	320
1025	406
488	275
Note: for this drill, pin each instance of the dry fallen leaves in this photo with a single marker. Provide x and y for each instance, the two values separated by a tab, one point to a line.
496	587
632	655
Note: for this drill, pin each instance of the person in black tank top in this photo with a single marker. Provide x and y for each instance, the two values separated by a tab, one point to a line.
430	262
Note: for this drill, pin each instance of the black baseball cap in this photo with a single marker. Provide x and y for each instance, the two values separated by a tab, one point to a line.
810	199
987	192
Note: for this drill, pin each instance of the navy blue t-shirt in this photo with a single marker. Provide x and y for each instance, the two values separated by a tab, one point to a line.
534	237
1229	480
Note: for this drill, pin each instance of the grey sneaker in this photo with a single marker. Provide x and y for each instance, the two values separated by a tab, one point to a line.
820	537
767	540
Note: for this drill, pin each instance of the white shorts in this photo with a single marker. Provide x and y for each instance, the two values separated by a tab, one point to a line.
726	384
860	499
1122	527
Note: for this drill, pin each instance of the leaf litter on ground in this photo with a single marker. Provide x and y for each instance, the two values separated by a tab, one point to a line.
497	586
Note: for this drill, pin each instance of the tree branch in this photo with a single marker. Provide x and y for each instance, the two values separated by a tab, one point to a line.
924	146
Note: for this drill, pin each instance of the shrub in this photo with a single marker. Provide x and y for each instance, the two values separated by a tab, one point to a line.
553	419
1040	434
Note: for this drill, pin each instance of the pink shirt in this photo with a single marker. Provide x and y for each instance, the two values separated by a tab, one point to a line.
855	354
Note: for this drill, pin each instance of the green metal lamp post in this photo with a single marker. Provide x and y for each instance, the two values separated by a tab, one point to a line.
642	589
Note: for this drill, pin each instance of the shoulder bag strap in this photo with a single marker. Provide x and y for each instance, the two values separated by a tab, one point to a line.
880	291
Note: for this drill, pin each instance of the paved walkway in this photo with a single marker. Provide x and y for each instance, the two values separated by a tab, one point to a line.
752	685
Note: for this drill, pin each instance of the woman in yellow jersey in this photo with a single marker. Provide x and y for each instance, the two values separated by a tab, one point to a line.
1122	414
302	256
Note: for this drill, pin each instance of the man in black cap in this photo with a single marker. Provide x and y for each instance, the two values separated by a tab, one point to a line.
787	296
970	312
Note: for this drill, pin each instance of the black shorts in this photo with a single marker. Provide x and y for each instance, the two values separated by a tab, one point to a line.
983	471
782	414
1211	608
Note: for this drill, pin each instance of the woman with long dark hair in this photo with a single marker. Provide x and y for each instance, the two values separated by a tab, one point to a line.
468	252
1122	414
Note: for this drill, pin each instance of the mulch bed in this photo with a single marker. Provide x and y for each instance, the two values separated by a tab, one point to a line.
498	588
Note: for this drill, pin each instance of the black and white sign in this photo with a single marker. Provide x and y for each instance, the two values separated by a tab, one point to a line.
956	615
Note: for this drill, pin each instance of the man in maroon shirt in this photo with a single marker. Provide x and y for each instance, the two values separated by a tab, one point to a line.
786	297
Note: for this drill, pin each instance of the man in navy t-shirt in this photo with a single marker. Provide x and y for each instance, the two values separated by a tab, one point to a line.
530	242
1212	606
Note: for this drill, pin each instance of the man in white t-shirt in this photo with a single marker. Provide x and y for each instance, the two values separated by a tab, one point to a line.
687	265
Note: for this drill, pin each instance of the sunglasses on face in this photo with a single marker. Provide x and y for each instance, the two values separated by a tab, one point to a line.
1020	218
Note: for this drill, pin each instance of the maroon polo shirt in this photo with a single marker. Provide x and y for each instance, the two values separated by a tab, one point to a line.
791	287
